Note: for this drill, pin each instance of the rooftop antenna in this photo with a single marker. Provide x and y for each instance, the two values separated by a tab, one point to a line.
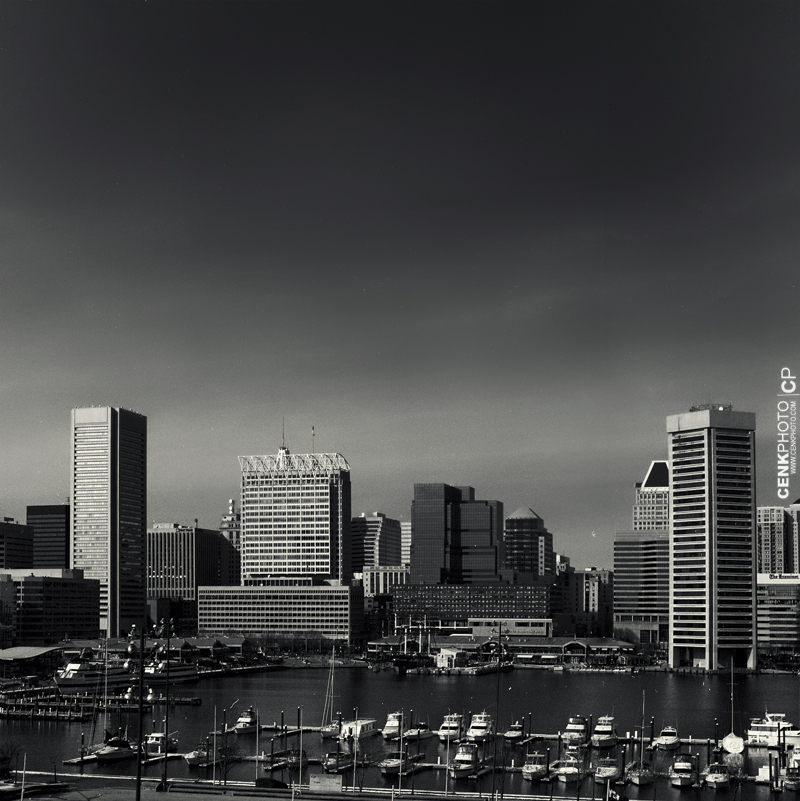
283	432
312	440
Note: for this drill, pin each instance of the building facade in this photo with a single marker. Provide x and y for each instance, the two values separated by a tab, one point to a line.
295	516
651	507
405	542
456	539
778	608
231	528
16	544
712	538
108	510
528	544
50	526
778	549
376	541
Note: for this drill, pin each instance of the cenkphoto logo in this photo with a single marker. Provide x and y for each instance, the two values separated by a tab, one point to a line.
786	451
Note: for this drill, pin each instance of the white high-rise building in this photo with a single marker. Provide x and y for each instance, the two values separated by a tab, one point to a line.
108	510
295	516
712	538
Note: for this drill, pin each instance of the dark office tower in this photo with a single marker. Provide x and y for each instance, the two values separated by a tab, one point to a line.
16	544
712	537
455	538
528	544
109	510
50	526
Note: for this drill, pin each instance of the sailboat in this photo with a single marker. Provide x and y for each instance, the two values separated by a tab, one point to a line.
637	772
331	725
731	742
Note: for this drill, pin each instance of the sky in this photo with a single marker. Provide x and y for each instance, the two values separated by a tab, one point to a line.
482	243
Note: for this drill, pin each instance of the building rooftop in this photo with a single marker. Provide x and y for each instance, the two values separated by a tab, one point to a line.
524	514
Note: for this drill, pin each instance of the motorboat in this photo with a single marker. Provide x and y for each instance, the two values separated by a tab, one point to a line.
668	739
465	761
356	729
683	772
480	728
577	731
296	758
607	770
417	732
246	723
769	730
199	756
570	769
452	727
515	733
717	775
605	732
393	726
179	672
83	676
115	749
337	762
158	742
535	766
397	762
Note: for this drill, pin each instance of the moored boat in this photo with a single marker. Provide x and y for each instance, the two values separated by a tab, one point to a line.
514	733
769	730
199	756
668	739
480	728
535	766
465	761
115	749
717	775
362	727
179	672
418	732
570	769
607	770
393	726
337	762
158	742
246	723
83	676
577	731
605	732
683	772
452	727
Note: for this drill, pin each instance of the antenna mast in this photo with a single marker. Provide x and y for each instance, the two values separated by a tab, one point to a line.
312	440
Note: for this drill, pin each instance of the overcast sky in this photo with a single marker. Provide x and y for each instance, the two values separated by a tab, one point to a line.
480	243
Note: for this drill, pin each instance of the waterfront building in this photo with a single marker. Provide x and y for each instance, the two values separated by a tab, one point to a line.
450	606
376	541
8	611
16	544
778	609
528	544
295	516
179	559
284	607
712	538
641	585
108	500
53	605
778	549
405	542
231	528
50	526
651	507
456	538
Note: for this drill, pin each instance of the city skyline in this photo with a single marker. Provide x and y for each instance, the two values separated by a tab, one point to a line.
489	244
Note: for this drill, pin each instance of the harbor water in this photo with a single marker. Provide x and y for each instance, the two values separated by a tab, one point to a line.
541	699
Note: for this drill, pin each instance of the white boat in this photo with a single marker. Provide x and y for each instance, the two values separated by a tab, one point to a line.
570	770
535	766
717	775
393	726
417	732
337	762
731	742
577	731
356	729
199	756
768	731
246	723
179	672
452	727
115	750
514	733
607	770
683	772
605	732
330	720
638	772
668	739
480	728
465	761
82	676
158	742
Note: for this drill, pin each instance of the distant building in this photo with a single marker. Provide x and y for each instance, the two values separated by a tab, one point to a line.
287	607
50	526
778	548
456	538
295	516
651	508
528	544
52	605
376	541
778	608
586	603
231	528
712	540
383	580
16	544
108	499
405	546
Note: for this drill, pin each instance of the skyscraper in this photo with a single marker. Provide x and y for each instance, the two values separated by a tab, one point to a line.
528	544
108	490
712	537
50	526
231	528
456	539
295	516
778	539
651	509
376	541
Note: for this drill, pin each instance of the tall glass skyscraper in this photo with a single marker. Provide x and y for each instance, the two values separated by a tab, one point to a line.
295	516
712	537
108	490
